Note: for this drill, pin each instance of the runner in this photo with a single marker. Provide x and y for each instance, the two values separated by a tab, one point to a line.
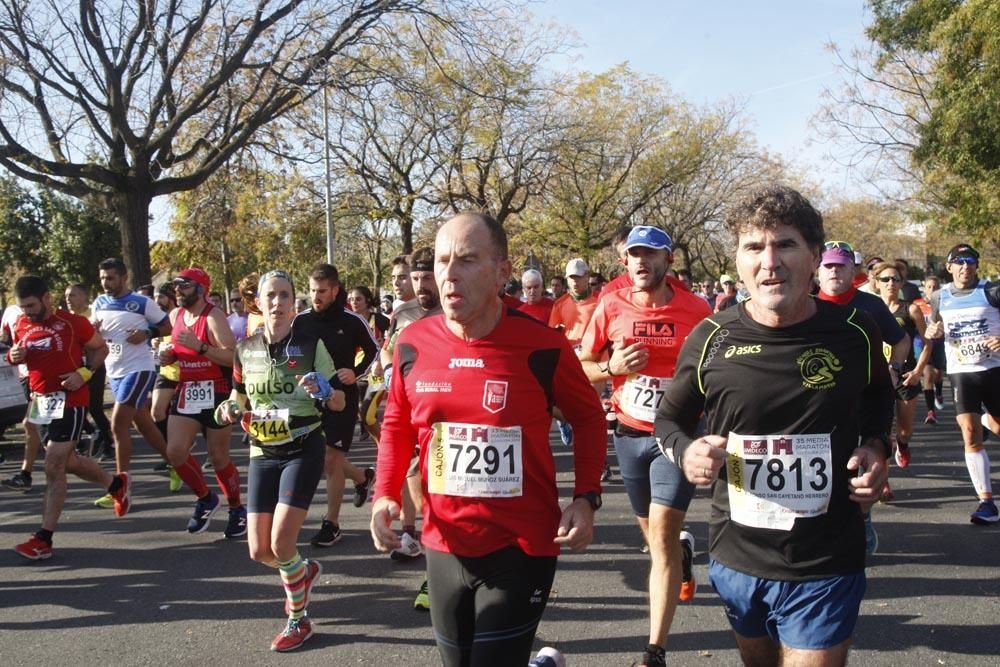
343	332
908	316
363	303
128	321
475	388
21	480
645	325
535	303
790	386
933	382
966	315
278	376
166	382
202	344
102	445
51	343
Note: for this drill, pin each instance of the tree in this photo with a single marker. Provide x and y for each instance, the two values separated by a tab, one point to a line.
124	102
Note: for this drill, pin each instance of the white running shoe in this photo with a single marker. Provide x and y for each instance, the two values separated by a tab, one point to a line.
409	548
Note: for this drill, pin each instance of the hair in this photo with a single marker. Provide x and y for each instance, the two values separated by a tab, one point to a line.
621	234
167	290
367	294
113	264
882	266
30	286
148	290
218	295
497	234
685	273
248	289
600	278
773	205
327	272
283	275
560	279
79	286
423	256
533	273
931	276
401	260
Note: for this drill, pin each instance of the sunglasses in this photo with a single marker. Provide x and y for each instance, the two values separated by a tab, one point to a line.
236	300
964	260
183	284
838	245
890	279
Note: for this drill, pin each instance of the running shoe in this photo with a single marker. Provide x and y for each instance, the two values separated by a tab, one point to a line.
423	601
313	570
296	632
176	482
236	526
986	513
903	456
19	481
688	585
931	418
107	501
607	474
654	656
409	549
871	537
938	401
328	534
162	466
565	433
207	465
122	498
203	511
35	549
548	657
361	490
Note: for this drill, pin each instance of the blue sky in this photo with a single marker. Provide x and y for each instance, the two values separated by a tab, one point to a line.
770	53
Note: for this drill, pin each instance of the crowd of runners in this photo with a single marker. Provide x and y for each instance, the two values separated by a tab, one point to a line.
788	389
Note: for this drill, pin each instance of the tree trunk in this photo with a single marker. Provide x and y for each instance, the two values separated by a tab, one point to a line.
132	208
406	234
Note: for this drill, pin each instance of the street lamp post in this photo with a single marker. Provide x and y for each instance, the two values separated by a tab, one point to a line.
330	240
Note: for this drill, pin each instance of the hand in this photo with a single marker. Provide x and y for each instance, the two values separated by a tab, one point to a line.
387	376
97	325
136	336
316	385
18	353
910	378
188	340
385	510
934	330
347	376
630	359
166	355
869	461
71	381
993	342
703	459
576	527
227	412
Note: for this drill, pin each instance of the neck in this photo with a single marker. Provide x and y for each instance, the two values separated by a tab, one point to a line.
785	317
275	331
197	308
479	328
654	298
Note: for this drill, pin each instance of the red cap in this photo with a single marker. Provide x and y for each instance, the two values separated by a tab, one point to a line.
195	275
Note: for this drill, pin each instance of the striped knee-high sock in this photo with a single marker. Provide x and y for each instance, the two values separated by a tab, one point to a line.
293	577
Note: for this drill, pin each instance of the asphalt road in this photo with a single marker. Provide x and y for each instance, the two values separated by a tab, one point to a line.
141	591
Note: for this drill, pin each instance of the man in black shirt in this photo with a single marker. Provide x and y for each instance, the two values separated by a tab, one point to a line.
343	332
797	403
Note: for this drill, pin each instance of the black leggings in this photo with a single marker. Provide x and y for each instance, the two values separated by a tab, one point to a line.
290	478
96	409
486	610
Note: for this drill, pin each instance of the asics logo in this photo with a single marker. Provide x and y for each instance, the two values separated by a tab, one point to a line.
466	363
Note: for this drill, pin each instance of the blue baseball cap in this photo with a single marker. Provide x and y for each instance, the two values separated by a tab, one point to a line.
649	237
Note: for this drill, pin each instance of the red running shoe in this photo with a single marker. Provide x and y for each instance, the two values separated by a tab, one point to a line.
35	549
903	456
123	496
293	636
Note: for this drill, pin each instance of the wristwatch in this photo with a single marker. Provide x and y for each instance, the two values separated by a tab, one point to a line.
203	348
592	497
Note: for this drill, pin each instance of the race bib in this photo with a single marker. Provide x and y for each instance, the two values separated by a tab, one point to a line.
46	408
971	350
268	427
641	396
115	350
475	461
775	479
195	397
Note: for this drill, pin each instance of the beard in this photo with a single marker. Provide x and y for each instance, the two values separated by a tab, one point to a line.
187	300
427	300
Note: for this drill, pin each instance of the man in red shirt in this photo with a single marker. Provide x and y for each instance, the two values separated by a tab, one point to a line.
642	328
475	387
202	344
535	303
51	344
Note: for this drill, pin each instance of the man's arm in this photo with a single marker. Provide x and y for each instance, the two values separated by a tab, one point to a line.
221	341
577	400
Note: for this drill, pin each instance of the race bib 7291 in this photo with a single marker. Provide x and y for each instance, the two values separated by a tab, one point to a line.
475	461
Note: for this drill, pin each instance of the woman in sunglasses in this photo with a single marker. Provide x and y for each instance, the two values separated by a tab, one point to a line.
279	375
888	278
